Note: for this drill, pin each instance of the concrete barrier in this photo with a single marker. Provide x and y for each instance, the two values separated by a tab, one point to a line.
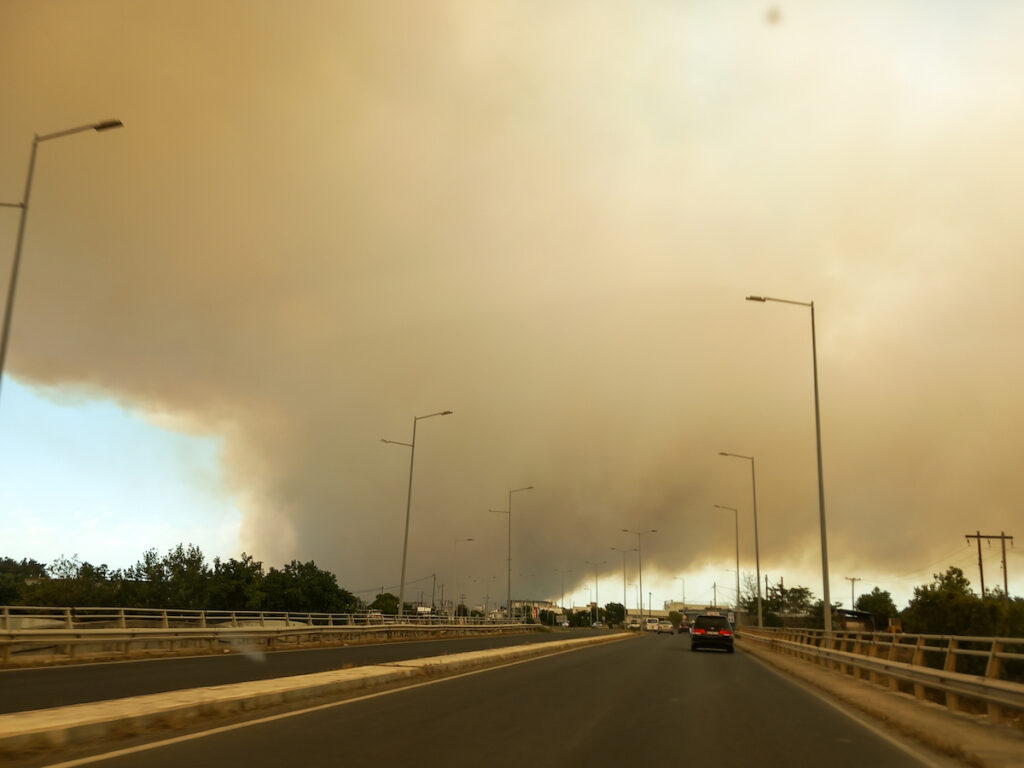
59	727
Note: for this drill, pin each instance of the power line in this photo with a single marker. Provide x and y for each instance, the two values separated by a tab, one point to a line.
947	558
389	587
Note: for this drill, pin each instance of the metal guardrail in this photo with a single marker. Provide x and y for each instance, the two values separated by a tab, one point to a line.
69	633
924	665
21	616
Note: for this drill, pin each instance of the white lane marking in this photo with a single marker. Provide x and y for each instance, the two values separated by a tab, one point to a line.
295	713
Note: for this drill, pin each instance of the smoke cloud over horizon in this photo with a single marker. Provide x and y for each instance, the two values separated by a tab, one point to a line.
323	220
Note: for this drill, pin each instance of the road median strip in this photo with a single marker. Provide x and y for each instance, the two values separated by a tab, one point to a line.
61	727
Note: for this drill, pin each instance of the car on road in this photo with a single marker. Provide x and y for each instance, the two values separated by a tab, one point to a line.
711	630
633	624
665	626
650	624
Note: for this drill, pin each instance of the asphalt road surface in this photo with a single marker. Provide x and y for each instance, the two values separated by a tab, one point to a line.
643	701
44	687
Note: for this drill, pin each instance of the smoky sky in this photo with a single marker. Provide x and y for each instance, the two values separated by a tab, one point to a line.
325	218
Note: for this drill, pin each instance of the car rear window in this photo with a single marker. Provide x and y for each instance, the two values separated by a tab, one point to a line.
711	622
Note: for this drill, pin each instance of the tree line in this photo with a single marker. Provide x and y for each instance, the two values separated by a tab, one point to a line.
182	578
945	606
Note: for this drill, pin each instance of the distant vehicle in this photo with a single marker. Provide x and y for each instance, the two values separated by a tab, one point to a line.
597	625
664	625
711	630
633	624
564	624
650	624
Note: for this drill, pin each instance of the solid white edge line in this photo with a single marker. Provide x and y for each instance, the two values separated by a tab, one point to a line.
294	713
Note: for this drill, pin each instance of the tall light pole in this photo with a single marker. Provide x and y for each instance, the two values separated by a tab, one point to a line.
408	502
624	553
455	563
683	580
563	572
737	515
853	581
827	612
640	565
757	546
508	594
104	125
597	609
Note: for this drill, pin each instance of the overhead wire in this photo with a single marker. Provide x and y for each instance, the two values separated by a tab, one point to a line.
955	556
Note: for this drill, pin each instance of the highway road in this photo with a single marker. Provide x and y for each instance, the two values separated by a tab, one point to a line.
642	701
43	687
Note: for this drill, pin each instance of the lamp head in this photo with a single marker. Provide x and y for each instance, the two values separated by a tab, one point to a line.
756	298
106	125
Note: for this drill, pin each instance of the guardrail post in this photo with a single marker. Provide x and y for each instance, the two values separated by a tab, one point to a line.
163	619
121	621
949	665
67	619
894	684
872	652
858	648
7	617
992	671
202	619
918	660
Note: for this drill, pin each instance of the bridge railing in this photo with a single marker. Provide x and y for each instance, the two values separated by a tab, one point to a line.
35	634
963	673
29	617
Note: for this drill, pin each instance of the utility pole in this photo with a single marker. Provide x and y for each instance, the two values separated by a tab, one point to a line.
853	580
981	568
714	587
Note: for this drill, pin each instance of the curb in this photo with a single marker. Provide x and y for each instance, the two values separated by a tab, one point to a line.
60	727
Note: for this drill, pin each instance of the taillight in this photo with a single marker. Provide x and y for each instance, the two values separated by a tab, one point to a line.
726	632
697	631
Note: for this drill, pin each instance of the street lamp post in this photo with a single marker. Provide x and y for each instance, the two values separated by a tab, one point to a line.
455	564
737	515
827	612
683	580
624	553
408	502
563	572
757	546
640	565
597	609
104	125
508	593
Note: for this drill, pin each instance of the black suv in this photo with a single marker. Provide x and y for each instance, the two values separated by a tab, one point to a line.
711	630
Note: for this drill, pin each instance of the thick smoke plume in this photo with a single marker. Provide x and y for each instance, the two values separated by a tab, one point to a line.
325	219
